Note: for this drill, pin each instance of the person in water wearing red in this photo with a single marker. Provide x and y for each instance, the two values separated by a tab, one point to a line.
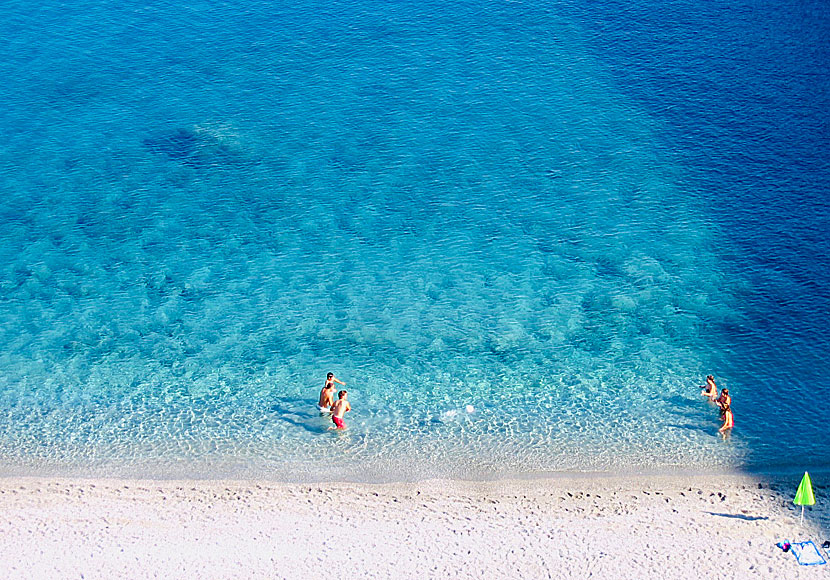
728	420
340	407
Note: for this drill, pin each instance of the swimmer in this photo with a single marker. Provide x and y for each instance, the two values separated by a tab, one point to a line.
710	389
339	409
331	379
728	420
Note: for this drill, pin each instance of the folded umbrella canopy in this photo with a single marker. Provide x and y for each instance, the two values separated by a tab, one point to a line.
804	495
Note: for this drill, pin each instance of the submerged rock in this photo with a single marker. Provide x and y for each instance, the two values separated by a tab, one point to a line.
199	147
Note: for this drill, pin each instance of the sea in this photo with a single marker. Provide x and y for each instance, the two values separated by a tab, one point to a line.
520	232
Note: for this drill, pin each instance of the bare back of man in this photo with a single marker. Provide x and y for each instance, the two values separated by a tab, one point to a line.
326	398
339	408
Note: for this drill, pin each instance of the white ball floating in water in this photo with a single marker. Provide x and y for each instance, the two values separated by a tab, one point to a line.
471	409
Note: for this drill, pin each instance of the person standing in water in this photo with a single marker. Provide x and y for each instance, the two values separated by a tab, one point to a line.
331	379
724	400
326	398
728	420
327	394
710	389
339	409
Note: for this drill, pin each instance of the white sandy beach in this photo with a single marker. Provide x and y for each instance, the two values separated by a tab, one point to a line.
601	527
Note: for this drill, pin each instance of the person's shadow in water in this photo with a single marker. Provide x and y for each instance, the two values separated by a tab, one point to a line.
691	411
687	407
300	413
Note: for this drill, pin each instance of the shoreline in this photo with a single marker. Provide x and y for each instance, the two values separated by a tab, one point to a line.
780	474
666	526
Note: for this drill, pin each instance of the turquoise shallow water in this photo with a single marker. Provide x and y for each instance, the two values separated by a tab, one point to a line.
522	235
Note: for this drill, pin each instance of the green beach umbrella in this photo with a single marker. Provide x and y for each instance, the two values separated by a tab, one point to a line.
804	495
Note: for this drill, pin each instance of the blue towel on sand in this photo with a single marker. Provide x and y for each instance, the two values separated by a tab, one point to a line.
807	553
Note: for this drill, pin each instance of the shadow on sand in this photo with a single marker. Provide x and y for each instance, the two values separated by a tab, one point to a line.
739	516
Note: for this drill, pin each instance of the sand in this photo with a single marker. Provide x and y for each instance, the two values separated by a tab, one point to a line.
598	527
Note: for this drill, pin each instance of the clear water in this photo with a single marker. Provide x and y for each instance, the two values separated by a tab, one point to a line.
522	233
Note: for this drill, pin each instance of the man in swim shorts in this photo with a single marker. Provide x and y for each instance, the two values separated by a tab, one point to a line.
326	398
327	394
338	409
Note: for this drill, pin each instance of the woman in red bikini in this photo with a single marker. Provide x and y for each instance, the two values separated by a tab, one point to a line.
728	420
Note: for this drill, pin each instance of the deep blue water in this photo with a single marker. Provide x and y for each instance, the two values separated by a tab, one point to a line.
522	233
